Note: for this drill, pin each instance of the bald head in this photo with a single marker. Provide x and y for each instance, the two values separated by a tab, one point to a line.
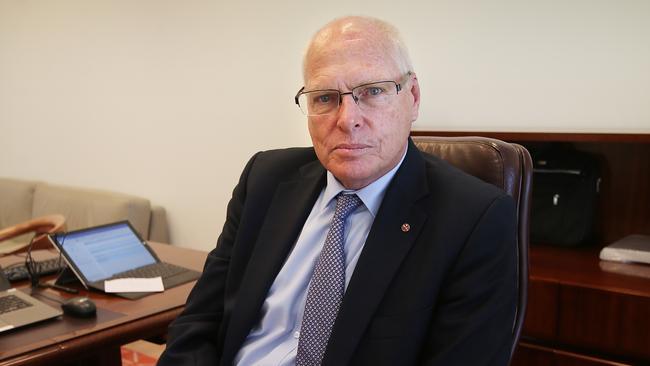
332	39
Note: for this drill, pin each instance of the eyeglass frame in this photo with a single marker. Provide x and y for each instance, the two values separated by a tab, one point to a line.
398	88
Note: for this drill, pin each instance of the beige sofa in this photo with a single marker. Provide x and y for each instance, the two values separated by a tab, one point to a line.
22	200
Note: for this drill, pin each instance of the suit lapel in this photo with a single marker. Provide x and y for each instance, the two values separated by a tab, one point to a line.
386	246
287	213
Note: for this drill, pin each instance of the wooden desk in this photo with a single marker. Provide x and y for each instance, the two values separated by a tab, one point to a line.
584	311
97	341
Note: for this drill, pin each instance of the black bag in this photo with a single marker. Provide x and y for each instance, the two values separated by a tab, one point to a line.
566	183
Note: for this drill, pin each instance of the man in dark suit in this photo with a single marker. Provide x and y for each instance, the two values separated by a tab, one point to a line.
419	268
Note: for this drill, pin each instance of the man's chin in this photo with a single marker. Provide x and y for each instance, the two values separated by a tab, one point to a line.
350	176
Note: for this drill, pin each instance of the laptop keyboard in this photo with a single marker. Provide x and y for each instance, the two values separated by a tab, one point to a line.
160	269
46	267
12	303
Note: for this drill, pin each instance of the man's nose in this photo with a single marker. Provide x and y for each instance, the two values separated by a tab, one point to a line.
349	115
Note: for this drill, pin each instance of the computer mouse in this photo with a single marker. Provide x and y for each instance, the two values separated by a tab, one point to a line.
79	307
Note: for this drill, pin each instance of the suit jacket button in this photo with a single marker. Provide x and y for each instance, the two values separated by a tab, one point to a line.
406	227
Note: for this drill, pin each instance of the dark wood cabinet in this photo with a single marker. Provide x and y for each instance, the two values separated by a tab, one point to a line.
583	311
579	306
530	354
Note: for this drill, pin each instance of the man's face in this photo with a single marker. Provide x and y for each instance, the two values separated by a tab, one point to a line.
359	145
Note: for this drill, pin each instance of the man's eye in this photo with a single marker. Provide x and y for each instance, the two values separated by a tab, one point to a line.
323	98
372	91
375	90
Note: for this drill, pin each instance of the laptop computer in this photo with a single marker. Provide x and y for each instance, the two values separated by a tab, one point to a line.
18	309
116	250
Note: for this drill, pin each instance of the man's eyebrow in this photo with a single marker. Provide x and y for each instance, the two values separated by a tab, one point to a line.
350	86
318	87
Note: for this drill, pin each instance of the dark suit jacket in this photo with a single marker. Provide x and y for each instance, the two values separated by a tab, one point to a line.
442	293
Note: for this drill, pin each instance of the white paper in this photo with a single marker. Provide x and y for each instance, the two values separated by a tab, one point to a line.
134	285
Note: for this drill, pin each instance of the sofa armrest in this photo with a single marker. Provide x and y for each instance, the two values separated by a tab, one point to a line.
158	228
16	199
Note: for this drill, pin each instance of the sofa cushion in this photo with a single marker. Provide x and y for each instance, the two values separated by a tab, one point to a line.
88	207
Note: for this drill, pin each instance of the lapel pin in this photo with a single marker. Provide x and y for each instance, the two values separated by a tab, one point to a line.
406	227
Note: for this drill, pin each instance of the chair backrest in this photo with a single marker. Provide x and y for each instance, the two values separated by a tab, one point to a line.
507	166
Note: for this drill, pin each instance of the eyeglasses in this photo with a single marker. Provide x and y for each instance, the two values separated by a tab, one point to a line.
368	96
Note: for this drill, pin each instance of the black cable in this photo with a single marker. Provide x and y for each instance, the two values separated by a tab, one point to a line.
34	269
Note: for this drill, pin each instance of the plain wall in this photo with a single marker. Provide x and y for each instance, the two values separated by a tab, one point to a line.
169	99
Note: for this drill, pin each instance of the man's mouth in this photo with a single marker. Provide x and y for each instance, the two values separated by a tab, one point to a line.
351	149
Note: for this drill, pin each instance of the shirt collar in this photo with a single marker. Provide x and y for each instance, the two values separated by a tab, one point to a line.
371	195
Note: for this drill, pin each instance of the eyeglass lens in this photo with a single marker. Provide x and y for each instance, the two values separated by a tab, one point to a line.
368	96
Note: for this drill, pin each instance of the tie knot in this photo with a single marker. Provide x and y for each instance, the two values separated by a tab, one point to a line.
345	204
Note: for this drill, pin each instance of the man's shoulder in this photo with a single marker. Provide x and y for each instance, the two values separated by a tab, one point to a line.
282	163
291	155
284	159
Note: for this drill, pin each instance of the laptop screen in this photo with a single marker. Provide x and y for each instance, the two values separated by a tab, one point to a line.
100	252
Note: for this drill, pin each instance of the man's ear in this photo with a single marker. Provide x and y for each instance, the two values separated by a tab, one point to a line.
415	91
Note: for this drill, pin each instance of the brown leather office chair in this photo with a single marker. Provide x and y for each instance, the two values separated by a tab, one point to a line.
41	225
507	166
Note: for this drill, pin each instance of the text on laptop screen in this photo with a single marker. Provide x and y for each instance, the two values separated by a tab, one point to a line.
104	251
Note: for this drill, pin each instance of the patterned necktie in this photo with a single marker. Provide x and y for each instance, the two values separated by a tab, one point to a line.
326	288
